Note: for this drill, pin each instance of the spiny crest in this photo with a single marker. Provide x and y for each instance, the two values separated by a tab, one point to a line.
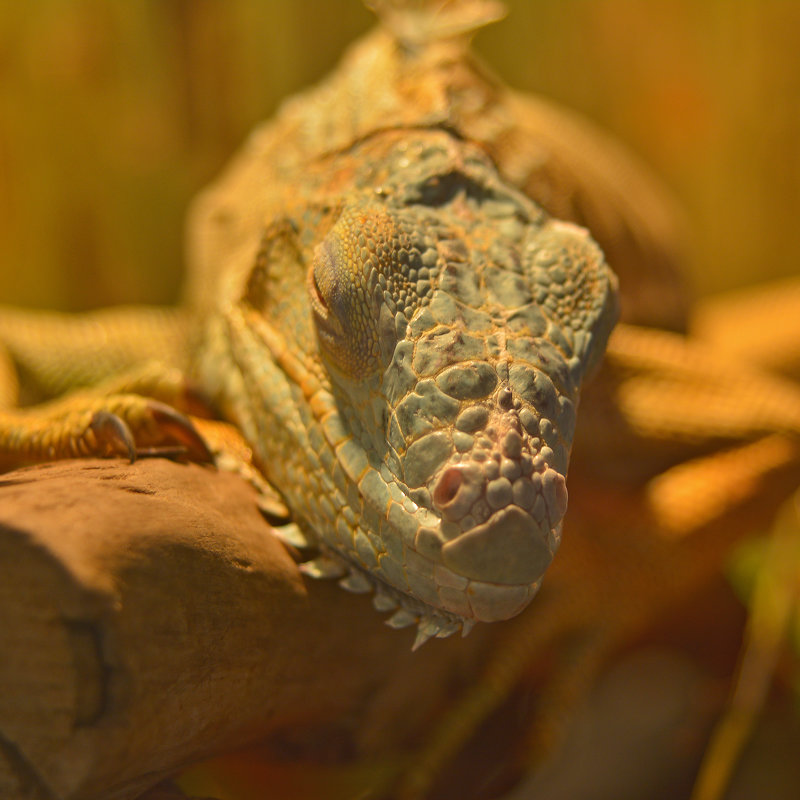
405	611
417	22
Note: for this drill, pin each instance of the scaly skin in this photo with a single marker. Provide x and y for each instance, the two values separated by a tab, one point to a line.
399	332
419	414
378	400
418	426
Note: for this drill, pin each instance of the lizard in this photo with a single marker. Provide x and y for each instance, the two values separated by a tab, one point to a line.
418	416
578	179
418	419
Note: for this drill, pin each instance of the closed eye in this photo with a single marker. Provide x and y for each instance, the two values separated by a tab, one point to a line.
317	292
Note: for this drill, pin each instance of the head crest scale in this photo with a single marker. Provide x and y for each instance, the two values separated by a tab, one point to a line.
416	23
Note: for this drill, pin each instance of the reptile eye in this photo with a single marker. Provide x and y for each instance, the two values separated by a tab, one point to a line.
321	281
316	291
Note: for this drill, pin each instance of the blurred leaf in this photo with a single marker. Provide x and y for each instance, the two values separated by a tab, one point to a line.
772	569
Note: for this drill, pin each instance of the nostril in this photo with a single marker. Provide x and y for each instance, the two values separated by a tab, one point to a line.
447	487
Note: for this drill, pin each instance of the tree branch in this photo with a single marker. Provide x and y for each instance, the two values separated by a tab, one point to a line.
149	619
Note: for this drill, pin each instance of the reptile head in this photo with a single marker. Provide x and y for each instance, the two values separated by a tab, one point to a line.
451	326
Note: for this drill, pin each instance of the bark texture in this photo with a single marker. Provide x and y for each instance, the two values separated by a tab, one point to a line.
149	618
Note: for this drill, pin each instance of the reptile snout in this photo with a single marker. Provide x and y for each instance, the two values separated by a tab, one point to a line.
511	547
501	507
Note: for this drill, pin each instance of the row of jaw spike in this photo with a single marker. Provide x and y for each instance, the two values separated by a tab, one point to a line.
429	623
407	612
328	566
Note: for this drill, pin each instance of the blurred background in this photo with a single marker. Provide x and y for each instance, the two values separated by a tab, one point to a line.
113	114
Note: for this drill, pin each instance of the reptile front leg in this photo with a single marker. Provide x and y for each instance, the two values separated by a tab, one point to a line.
128	415
98	425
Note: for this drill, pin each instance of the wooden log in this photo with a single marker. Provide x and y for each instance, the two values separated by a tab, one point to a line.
149	619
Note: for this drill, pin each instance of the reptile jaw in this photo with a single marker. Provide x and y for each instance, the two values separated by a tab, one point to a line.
431	621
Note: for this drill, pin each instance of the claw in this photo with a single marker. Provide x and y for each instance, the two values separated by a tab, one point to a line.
466	626
180	428
113	435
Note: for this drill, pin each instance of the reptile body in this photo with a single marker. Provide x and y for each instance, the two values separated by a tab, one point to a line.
422	411
419	418
398	331
379	301
382	300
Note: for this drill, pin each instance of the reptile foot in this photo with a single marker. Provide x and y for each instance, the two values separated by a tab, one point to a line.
122	425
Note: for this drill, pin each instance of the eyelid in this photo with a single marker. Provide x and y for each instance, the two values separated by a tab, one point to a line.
316	292
319	302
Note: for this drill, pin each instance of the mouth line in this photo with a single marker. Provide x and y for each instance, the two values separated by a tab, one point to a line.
450	599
